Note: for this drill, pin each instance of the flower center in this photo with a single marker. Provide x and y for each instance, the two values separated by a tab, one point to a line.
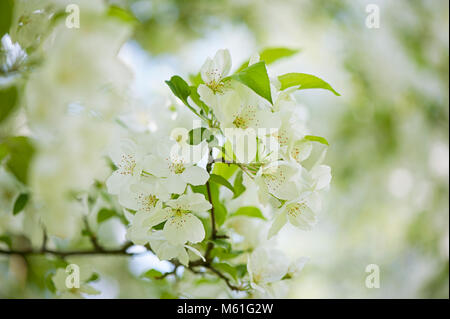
177	166
240	122
127	165
295	209
147	201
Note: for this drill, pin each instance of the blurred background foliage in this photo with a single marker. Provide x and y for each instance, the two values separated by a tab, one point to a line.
388	204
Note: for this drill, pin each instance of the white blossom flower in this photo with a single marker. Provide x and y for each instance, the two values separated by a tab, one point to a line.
266	266
167	251
59	280
143	195
128	159
176	167
297	212
181	224
280	179
214	70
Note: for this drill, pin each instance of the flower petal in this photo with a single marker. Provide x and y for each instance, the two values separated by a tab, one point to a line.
195	175
184	228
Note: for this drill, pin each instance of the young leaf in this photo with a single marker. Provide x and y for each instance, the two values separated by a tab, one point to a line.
6	15
220	211
20	150
256	78
271	55
179	88
6	240
239	188
318	139
198	134
306	81
122	14
222	181
196	98
105	214
8	101
227	268
224	170
20	203
151	274
249	211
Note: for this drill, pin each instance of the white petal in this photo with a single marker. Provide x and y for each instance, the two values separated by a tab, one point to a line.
322	175
175	184
155	165
157	216
195	251
278	223
116	182
222	61
184	228
195	175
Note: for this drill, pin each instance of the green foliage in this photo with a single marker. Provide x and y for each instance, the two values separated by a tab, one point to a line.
224	170
221	180
20	203
196	98
8	101
197	135
152	274
220	211
226	268
121	14
306	81
105	214
7	240
249	211
20	151
179	88
271	55
256	78
6	15
239	187
318	139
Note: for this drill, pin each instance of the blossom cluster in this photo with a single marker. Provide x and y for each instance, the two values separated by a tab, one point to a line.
252	132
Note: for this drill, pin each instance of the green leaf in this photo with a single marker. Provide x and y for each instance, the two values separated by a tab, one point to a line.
197	135
224	170
196	98
49	282
122	14
249	211
20	203
220	211
239	187
196	79
8	101
6	240
152	274
271	55
241	270
21	151
94	277
227	268
179	88
223	253
6	15
222	243
306	81
222	181
105	214
319	139
256	78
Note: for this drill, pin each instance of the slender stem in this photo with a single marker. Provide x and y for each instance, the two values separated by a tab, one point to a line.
101	251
